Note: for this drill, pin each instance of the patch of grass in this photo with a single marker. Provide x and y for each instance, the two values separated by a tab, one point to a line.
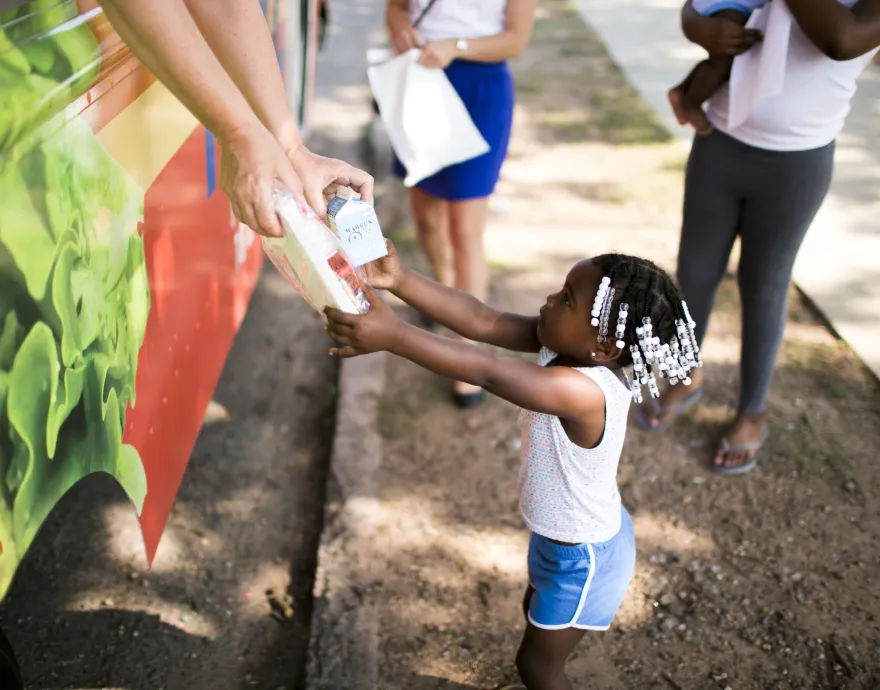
568	67
818	445
404	238
624	118
497	264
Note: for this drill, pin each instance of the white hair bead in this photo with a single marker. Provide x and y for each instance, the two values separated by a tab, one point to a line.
594	322
620	344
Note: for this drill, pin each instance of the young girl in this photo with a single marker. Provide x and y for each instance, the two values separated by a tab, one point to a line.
616	324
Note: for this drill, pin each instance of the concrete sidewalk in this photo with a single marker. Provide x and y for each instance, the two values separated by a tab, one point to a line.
839	264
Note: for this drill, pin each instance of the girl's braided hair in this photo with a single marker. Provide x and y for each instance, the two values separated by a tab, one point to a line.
650	293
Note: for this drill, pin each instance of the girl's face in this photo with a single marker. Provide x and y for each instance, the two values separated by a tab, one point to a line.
564	322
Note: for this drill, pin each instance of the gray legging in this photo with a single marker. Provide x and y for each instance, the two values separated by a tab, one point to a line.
768	199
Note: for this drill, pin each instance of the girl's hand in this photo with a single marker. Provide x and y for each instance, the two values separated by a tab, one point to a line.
384	273
360	334
439	54
720	36
405	39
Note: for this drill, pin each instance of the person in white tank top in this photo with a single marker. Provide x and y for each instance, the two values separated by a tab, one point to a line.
617	324
762	181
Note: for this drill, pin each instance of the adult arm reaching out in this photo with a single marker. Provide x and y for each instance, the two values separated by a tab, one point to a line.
236	106
238	34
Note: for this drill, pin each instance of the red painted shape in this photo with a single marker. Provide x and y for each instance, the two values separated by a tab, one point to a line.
198	300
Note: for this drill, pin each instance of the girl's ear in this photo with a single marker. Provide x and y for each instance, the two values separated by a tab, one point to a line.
606	352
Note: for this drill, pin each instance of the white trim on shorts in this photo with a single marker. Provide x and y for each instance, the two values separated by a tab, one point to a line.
583	601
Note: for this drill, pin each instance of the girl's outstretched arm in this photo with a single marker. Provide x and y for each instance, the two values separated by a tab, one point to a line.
559	391
456	310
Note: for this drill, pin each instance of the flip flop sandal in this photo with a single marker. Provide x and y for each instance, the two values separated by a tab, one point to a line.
677	410
747	467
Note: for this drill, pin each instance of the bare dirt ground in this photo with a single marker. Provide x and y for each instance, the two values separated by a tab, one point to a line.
228	602
764	581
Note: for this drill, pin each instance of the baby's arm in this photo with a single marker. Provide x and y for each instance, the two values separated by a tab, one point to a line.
466	315
723	33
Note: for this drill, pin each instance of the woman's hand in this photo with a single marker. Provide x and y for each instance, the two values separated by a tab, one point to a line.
405	39
384	273
720	36
439	53
320	177
360	334
250	161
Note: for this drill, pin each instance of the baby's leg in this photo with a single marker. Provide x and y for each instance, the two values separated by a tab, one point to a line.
704	80
542	655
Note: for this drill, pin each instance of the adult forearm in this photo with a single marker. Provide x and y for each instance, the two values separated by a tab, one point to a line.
164	36
238	34
842	33
397	17
504	46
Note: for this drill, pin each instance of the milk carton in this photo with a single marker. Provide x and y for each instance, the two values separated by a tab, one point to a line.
355	223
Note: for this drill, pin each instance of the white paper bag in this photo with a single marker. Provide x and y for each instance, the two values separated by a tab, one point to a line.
428	125
760	72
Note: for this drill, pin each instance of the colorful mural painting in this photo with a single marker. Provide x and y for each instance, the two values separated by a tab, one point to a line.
123	275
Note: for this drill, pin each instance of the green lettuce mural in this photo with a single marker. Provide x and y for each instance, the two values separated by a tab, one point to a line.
73	287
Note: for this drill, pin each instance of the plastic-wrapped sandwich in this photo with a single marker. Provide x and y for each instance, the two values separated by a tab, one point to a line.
313	260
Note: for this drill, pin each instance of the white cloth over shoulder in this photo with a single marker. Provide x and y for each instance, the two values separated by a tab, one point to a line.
760	73
428	125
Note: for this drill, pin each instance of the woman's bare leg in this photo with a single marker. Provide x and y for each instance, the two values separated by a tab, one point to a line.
467	225
432	227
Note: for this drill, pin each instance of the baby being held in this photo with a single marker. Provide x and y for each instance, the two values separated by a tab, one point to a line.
708	76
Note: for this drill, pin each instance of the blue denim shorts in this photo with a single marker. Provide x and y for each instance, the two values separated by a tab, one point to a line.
580	586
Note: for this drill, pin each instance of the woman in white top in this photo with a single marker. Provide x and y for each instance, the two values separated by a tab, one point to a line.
471	40
763	182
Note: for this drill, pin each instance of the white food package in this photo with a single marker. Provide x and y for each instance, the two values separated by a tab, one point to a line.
428	125
311	257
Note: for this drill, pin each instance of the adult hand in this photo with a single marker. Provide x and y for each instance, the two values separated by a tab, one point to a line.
721	36
405	39
384	273
359	334
439	53
250	161
320	177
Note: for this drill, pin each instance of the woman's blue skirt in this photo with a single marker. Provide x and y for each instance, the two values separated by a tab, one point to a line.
487	92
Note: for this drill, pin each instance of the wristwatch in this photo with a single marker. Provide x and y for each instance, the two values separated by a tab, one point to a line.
461	45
